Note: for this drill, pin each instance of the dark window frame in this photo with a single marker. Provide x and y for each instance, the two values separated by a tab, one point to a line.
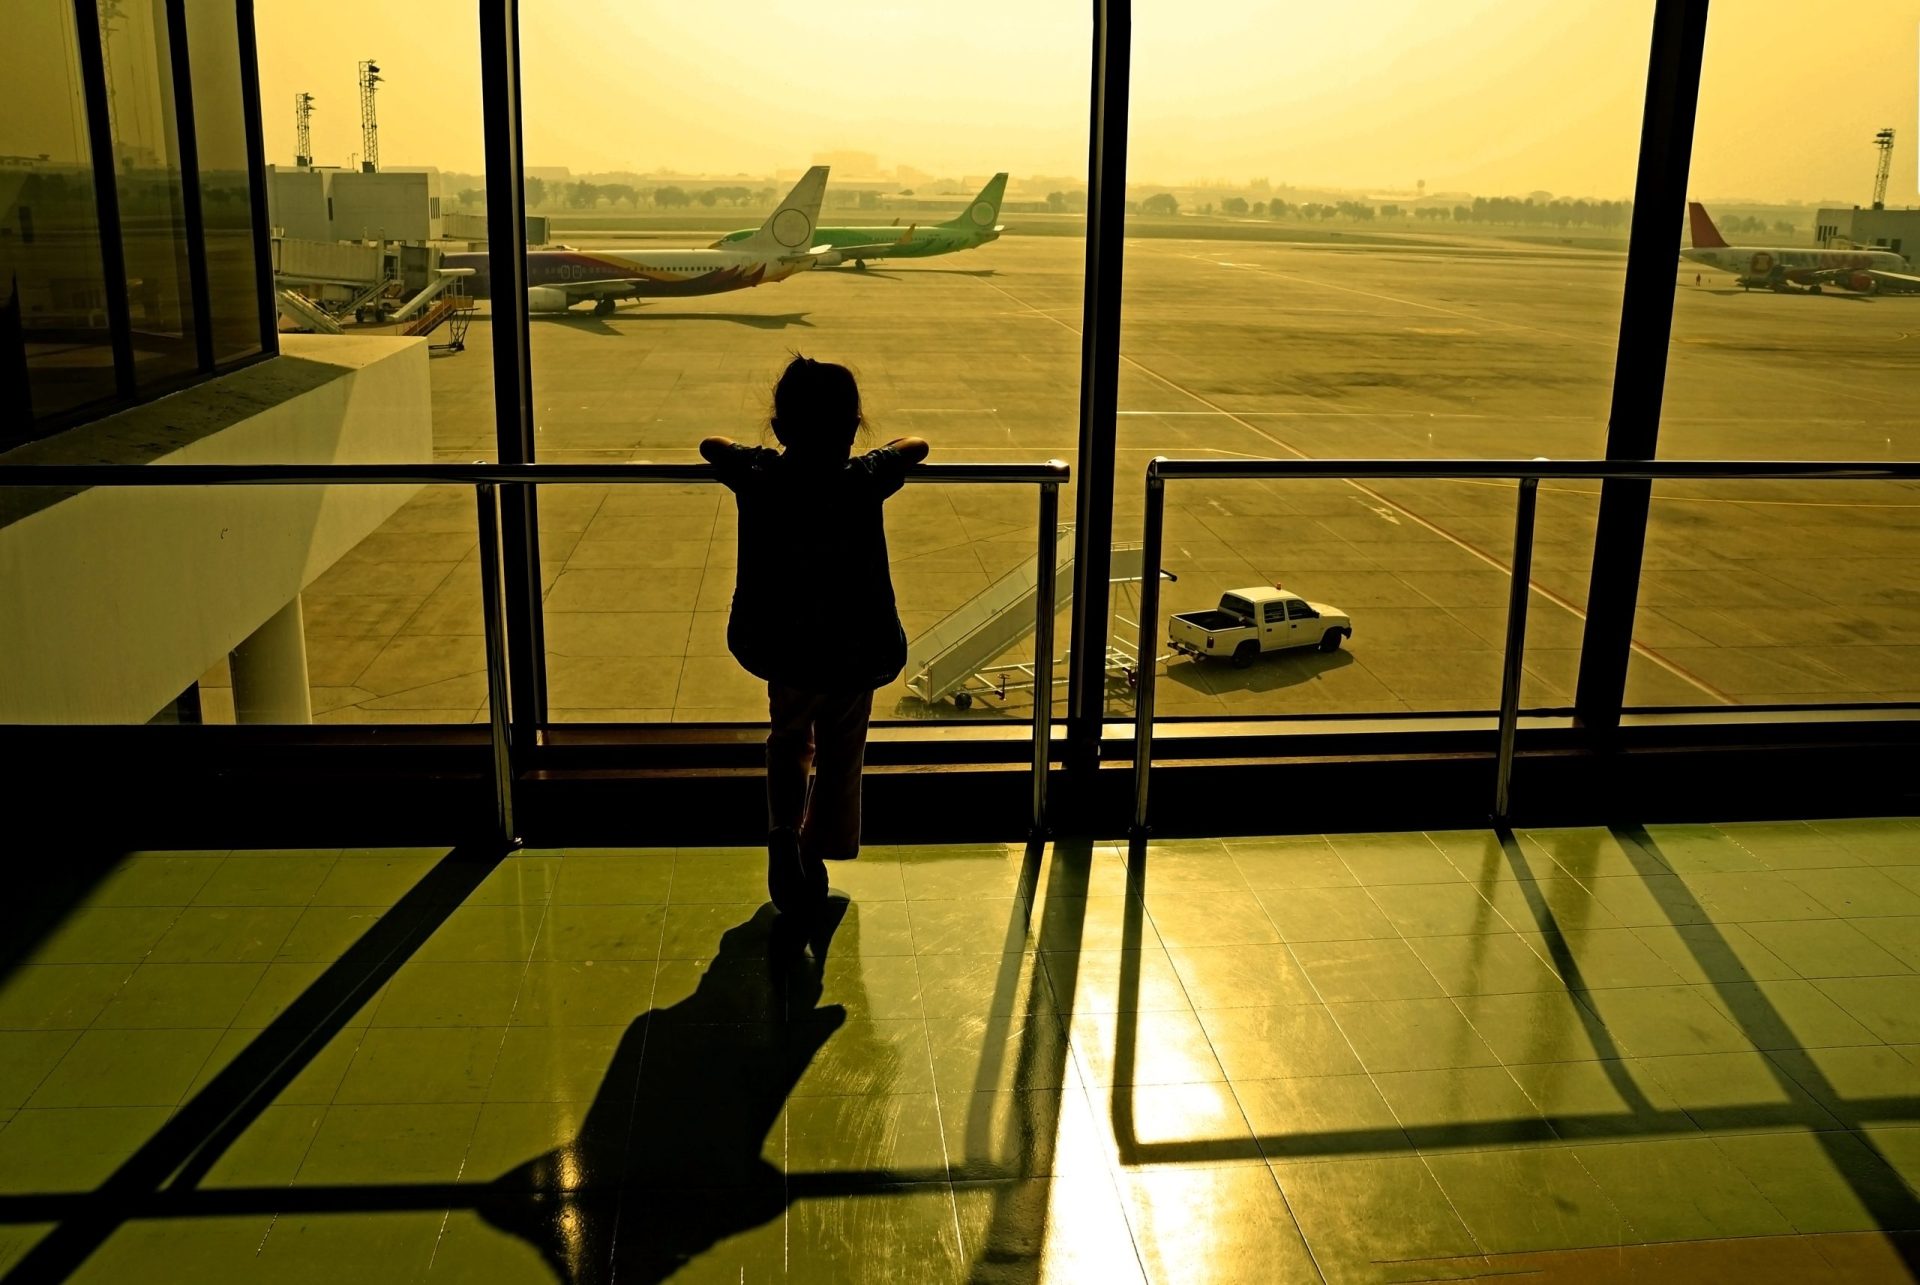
1671	95
1670	100
100	148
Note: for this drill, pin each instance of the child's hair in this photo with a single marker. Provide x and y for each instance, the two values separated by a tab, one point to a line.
816	407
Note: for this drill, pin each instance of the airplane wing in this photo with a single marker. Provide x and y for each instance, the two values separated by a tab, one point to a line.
875	247
611	288
1898	282
818	254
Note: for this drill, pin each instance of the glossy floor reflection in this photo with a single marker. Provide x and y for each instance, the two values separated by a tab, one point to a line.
1671	1053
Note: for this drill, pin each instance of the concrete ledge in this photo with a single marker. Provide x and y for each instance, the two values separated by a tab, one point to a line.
118	599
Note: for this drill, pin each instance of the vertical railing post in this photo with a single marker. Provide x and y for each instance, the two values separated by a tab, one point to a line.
1046	564
493	625
1512	663
1147	659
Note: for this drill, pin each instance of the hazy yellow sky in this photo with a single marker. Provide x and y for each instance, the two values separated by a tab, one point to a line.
1490	96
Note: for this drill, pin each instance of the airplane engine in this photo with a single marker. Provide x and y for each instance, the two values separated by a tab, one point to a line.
546	299
1861	281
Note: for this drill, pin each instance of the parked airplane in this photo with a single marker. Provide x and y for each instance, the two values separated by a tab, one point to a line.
974	227
1782	268
785	244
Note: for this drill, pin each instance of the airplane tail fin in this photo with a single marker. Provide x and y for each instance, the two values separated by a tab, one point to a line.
789	229
983	212
1705	235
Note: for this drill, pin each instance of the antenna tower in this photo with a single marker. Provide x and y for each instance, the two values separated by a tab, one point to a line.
110	16
1884	141
369	127
303	131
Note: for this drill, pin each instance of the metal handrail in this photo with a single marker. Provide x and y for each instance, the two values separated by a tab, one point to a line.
1050	472
1527	473
486	479
1545	470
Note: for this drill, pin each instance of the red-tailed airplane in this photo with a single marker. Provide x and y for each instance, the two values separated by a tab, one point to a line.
1783	268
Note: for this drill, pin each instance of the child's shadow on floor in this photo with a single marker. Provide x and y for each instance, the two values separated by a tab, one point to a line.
671	1148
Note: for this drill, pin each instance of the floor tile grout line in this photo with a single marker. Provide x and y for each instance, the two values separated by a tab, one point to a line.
533	946
1232	1085
1070	1054
359	1040
939	1110
1372	1078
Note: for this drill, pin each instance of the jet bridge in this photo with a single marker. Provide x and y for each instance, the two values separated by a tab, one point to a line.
956	657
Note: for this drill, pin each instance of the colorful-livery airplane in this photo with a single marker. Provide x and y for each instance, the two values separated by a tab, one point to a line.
557	279
973	227
1782	268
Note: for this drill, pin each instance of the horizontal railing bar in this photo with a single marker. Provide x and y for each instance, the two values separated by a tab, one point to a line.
1510	469
83	475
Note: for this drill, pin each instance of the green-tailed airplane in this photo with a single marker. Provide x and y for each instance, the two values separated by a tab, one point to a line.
975	226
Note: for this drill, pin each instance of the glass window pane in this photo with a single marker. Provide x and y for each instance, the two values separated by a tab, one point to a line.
55	352
1795	312
140	106
226	198
955	296
393	627
1405	238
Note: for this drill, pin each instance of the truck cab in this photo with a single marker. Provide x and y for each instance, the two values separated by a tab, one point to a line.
1251	621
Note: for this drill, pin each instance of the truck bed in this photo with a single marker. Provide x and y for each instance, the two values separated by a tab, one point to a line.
1214	621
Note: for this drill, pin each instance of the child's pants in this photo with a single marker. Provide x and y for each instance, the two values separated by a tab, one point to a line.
825	733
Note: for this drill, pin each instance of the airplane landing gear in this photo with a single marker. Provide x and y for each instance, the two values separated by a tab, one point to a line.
1813	289
603	308
859	265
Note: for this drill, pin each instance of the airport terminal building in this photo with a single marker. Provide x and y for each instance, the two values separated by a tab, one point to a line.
1405	766
1896	230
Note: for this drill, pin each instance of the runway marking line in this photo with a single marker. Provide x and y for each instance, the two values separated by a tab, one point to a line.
1459	542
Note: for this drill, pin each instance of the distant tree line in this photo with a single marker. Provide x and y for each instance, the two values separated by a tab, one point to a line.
1497	210
1753	224
583	195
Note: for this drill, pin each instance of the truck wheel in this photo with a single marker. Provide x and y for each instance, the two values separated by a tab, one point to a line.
1330	641
1245	654
962	700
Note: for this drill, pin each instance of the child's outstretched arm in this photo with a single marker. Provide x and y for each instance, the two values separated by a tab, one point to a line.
911	449
712	448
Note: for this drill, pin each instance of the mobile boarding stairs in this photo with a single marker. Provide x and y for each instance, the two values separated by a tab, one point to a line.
960	657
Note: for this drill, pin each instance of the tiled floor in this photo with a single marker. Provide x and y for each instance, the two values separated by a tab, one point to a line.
1671	1054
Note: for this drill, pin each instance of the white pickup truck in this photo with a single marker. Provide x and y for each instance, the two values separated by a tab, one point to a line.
1250	621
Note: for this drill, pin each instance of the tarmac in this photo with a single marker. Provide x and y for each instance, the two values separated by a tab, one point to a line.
1779	593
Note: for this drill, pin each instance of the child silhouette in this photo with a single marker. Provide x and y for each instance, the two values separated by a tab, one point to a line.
813	611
